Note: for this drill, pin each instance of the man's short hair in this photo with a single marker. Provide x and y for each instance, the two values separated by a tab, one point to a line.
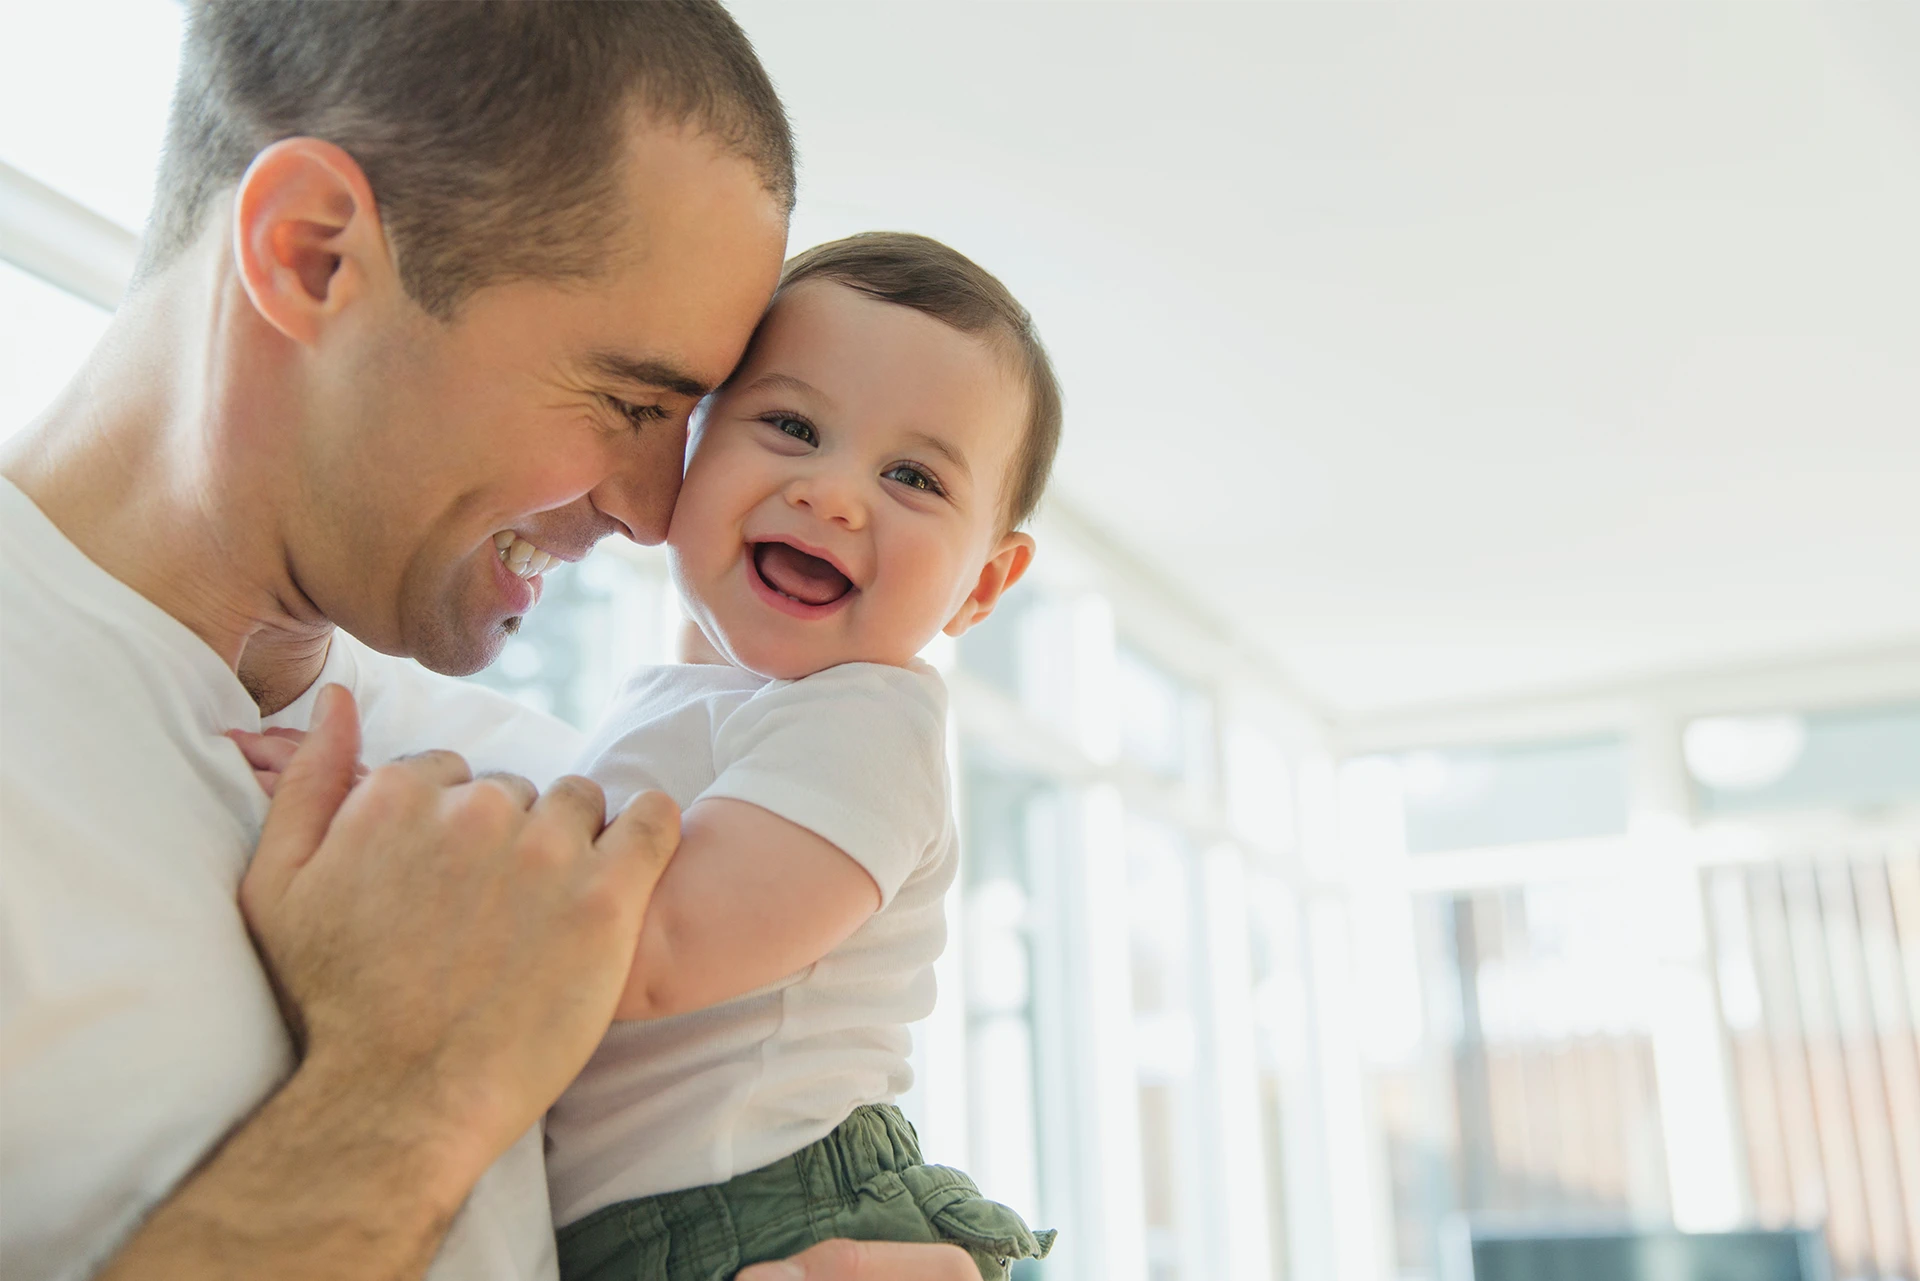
490	130
927	276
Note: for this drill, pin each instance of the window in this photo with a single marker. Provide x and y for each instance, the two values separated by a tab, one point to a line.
1167	1036
1816	963
1464	798
1164	725
84	90
596	622
1852	759
1259	790
1012	986
1282	1043
44	335
1535	1099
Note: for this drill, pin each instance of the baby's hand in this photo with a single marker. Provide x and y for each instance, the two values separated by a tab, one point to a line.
269	753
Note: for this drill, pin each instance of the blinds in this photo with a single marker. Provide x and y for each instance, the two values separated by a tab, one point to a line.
1818	965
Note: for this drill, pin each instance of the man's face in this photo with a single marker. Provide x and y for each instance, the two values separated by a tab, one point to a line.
847	487
456	459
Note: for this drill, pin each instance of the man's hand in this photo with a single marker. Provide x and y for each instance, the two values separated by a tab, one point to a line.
448	952
448	949
868	1261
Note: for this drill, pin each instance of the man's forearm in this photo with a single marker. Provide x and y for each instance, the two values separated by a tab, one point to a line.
316	1184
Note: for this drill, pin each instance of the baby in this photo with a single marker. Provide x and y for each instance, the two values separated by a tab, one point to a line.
854	489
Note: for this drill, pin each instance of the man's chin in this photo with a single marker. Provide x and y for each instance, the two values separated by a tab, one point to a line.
457	652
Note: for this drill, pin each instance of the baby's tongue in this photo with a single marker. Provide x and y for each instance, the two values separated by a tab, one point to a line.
790	571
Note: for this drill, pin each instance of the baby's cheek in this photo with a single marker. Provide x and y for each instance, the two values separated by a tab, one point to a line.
923	609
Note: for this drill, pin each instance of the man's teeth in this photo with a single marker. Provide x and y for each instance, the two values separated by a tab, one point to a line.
521	556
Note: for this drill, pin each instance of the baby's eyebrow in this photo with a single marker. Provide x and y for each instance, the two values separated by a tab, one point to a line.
944	449
787	382
774	381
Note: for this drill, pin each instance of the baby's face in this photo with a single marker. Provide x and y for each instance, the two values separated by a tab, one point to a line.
844	497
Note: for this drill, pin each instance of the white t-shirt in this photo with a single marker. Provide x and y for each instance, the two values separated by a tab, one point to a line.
136	1025
855	754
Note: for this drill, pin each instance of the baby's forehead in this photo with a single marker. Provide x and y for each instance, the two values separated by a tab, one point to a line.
966	387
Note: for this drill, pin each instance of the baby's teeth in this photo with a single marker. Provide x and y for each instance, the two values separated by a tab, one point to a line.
503	539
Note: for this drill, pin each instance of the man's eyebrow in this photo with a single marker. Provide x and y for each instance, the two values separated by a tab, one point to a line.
647	373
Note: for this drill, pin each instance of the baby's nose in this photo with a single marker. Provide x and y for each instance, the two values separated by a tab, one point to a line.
830	497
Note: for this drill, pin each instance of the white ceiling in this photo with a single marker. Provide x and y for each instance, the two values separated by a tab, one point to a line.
1445	352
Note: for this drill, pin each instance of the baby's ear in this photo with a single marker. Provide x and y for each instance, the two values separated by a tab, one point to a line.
1003	569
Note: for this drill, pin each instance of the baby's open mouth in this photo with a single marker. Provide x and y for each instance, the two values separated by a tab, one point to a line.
797	575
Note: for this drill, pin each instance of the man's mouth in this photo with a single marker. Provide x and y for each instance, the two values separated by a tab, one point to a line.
799	576
521	557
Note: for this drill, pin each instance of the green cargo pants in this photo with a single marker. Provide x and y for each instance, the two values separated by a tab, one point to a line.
864	1181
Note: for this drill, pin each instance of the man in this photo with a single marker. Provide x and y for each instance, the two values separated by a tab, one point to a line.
428	296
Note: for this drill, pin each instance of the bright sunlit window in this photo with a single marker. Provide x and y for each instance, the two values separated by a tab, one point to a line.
44	335
84	88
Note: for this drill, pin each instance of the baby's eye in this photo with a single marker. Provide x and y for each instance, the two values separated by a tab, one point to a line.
912	476
798	428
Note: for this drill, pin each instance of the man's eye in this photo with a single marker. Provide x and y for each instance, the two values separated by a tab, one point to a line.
798	428
914	477
639	415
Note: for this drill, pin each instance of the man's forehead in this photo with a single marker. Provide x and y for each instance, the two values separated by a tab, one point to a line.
693	263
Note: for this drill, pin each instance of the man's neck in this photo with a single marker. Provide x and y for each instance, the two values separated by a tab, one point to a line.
135	464
279	666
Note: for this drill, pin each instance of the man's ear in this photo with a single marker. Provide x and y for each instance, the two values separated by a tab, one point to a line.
306	236
1003	569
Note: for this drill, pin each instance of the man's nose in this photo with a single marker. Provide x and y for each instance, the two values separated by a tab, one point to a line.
642	483
829	495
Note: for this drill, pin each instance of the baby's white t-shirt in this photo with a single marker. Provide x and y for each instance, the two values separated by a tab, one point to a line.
855	754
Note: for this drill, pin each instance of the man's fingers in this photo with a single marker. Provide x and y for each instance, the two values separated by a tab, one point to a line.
316	780
640	840
446	769
574	802
521	789
869	1261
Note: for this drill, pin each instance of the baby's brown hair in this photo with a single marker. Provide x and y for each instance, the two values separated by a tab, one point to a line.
921	273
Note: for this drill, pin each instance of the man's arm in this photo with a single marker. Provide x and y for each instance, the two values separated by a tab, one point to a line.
448	953
320	1182
749	898
869	1261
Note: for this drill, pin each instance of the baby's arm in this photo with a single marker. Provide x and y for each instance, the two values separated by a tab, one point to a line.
749	898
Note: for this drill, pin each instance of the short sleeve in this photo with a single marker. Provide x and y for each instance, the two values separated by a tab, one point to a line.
855	754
